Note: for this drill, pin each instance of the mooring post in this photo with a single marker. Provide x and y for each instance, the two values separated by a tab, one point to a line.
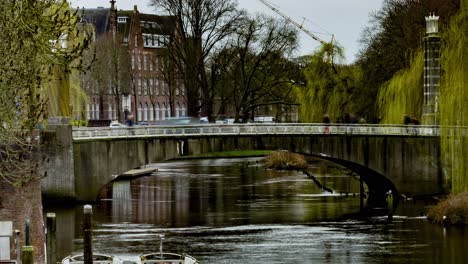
390	205
361	195
51	238
27	252
87	234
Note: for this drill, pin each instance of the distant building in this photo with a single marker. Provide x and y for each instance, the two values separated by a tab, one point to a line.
156	91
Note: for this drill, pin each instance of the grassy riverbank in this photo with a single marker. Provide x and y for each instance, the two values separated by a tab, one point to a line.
285	160
451	211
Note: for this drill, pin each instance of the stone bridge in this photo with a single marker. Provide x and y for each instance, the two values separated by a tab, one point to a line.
404	159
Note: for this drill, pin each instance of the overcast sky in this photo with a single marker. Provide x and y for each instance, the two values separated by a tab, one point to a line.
345	19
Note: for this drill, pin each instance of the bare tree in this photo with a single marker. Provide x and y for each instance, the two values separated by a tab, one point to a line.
259	72
203	24
110	73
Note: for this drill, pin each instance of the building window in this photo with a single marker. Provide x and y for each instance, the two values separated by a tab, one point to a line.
184	110
151	86
139	86
168	114
145	112
136	40
96	111
140	112
109	114
151	116
122	20
151	62
139	62
133	61
158	108
157	86
163	112
155	40
178	110
144	61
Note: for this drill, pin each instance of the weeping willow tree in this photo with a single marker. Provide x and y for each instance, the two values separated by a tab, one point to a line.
33	47
454	98
331	88
63	90
402	95
31	33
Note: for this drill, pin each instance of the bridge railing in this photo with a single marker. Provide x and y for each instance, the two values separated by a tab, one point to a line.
252	129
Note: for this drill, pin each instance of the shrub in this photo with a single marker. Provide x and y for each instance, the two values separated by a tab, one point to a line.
284	160
451	211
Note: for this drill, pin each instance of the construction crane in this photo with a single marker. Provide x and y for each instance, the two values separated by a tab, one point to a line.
308	32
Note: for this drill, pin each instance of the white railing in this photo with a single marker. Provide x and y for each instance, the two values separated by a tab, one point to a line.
91	133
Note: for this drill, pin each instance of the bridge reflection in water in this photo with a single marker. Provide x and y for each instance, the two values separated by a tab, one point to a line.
404	159
216	210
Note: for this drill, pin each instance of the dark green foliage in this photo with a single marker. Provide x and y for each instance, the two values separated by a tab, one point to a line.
454	98
34	41
395	34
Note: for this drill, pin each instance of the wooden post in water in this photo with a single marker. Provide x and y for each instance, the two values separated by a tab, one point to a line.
87	235
51	238
27	252
361	194
390	205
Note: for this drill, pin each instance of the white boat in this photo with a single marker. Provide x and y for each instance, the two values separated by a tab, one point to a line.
165	257
97	259
151	258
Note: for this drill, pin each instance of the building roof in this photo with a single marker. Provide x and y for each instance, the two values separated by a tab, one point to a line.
99	17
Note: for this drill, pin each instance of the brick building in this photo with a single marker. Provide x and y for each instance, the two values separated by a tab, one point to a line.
155	91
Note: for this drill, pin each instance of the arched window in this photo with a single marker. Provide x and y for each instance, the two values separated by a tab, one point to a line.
96	111
151	113
168	113
109	114
145	112
158	108
140	112
163	112
184	110
177	111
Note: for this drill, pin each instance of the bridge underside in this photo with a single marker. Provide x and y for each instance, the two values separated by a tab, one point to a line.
378	185
408	165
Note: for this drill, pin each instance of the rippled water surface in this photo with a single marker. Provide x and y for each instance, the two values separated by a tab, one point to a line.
234	211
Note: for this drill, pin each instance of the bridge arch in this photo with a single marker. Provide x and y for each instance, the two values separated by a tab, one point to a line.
88	157
378	184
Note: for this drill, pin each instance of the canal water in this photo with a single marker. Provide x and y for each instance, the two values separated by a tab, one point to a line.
234	211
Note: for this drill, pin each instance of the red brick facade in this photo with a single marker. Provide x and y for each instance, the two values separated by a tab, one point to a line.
152	86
